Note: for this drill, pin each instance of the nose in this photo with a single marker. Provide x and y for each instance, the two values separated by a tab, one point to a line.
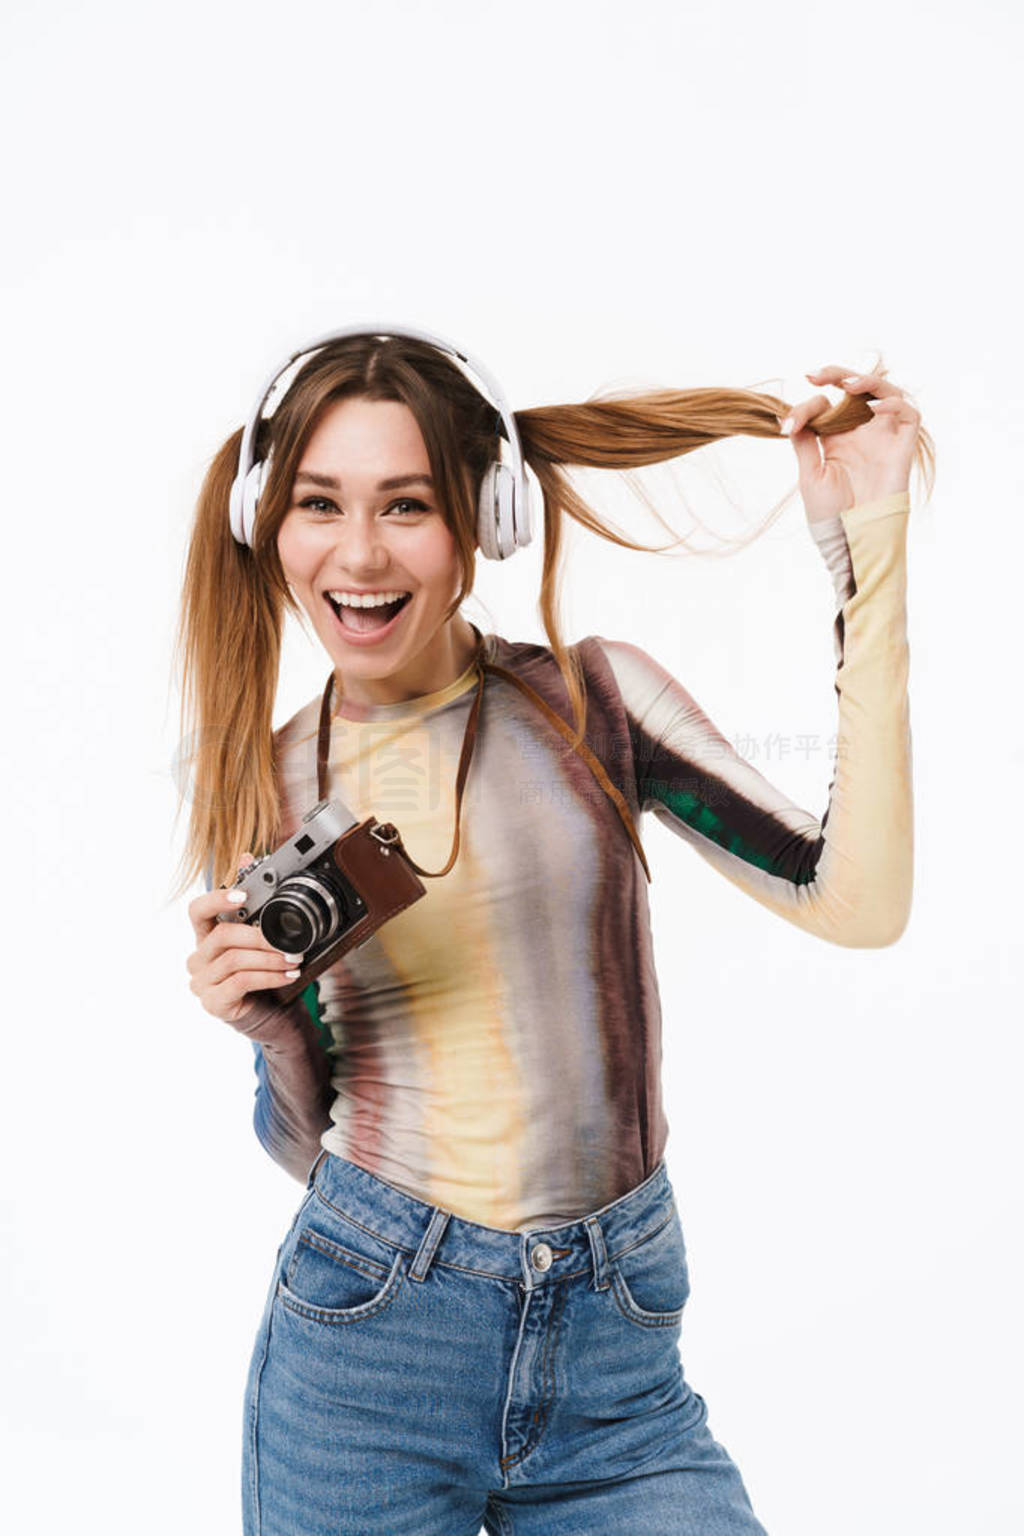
361	548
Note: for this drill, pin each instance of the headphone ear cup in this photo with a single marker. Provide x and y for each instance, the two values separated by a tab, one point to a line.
505	484
235	509
488	512
528	507
250	499
252	490
498	514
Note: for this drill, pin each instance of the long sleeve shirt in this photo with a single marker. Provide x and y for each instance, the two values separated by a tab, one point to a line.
496	1048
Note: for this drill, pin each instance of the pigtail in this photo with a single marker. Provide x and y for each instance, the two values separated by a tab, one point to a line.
228	645
624	432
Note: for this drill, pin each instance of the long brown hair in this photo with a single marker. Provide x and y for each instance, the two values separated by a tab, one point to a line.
234	598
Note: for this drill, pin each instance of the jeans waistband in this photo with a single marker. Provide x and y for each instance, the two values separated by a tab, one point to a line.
436	1235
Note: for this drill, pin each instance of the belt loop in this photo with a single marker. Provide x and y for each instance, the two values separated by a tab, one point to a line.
427	1248
600	1253
310	1177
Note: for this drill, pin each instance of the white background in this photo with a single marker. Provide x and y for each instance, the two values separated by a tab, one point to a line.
580	194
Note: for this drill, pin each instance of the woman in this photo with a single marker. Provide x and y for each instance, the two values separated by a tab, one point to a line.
475	1315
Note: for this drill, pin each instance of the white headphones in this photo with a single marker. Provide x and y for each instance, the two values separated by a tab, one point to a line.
504	507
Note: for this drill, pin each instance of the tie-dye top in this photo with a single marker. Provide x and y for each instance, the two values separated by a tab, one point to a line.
496	1048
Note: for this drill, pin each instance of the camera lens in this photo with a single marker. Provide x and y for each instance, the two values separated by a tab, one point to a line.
301	914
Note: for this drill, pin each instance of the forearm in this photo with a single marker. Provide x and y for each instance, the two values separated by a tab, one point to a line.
866	869
846	877
290	1113
293	1091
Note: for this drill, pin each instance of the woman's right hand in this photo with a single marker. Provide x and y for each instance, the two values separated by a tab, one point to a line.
232	961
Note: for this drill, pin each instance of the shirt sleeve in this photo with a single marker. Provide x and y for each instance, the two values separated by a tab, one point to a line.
293	1089
847	878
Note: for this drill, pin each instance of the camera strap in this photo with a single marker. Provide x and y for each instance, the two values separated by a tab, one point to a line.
468	742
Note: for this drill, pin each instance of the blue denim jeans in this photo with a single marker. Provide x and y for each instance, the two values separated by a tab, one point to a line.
417	1374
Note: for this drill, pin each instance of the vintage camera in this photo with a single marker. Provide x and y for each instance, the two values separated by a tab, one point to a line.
327	889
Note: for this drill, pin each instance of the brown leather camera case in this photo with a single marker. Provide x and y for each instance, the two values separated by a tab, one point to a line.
372	858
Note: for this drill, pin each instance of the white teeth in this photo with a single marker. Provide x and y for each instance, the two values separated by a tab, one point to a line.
367	600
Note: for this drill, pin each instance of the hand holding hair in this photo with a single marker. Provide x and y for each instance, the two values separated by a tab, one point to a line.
846	469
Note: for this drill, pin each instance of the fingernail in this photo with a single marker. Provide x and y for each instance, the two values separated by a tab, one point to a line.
290	975
787	425
237	896
853	378
291	957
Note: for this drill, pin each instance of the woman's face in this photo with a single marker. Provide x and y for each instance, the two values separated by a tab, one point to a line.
364	518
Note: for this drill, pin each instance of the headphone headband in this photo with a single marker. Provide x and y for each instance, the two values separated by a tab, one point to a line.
504	520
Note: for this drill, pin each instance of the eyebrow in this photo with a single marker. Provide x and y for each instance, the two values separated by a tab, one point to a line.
394	484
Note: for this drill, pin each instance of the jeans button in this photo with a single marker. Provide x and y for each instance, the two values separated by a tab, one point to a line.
540	1258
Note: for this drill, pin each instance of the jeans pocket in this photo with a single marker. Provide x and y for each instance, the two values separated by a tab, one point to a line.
650	1281
337	1272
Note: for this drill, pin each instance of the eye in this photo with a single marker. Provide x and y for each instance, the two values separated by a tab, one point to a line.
408	505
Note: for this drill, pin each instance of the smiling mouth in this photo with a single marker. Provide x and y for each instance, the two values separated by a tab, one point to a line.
363	621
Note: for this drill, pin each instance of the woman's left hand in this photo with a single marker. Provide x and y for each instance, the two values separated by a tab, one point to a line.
844	469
